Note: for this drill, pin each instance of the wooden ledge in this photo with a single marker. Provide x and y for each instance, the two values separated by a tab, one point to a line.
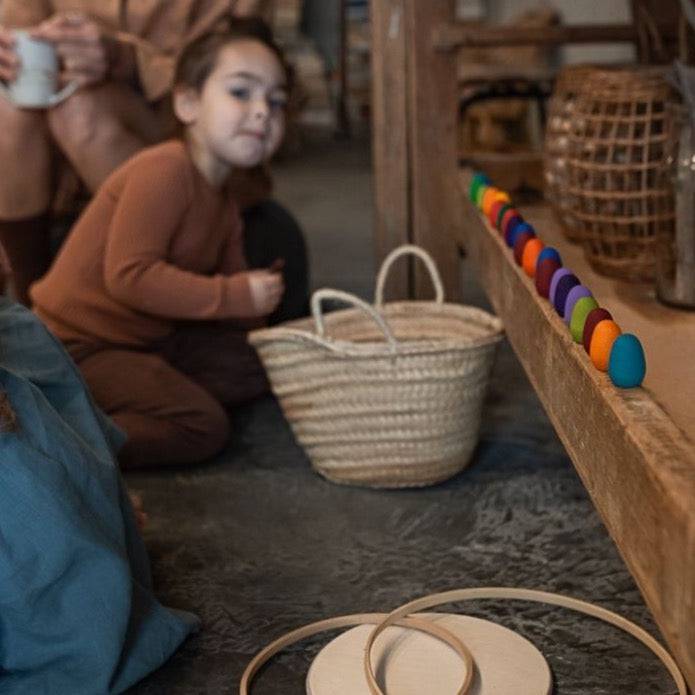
635	457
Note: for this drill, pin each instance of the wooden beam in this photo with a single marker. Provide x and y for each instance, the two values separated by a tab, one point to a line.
636	463
392	225
449	36
433	108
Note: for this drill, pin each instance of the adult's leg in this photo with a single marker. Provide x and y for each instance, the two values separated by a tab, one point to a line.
270	232
168	418
25	194
99	128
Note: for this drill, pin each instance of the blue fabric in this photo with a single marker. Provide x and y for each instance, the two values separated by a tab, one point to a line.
77	612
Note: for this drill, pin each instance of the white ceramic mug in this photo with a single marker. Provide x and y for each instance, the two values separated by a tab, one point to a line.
37	81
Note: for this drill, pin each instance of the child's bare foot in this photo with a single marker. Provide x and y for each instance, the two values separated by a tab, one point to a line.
140	513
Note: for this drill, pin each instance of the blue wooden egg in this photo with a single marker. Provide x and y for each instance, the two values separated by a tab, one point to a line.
549	252
513	232
627	364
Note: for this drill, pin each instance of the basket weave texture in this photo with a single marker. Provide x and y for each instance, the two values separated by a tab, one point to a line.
561	110
617	149
388	395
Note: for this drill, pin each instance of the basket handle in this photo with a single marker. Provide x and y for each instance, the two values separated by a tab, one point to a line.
408	249
348	298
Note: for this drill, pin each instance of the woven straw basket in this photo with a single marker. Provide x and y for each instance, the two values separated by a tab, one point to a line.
617	151
388	395
556	148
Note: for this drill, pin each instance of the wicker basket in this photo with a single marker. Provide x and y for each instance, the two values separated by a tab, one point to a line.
561	109
616	155
393	397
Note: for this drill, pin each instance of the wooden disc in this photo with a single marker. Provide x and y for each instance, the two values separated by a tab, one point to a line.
408	662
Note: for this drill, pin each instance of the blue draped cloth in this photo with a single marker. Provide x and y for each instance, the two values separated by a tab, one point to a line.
77	611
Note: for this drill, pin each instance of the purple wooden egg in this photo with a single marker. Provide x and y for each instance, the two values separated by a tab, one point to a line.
574	295
557	276
564	285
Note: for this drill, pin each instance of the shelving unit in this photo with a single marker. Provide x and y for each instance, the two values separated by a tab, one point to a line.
633	449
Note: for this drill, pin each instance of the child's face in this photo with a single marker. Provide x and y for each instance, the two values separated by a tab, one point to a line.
238	119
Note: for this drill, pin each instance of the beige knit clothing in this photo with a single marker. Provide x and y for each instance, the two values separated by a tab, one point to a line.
167	25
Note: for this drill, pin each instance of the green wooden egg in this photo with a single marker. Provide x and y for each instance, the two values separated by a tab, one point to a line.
581	310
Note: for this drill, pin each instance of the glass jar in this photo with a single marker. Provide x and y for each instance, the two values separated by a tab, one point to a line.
675	249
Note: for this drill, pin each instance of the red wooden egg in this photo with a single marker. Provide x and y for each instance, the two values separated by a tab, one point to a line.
520	242
544	274
593	317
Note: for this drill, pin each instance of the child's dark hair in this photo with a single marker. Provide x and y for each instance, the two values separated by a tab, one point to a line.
198	59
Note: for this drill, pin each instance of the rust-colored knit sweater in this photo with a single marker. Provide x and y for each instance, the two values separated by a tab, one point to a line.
156	245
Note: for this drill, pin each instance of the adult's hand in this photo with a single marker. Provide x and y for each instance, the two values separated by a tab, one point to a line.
9	62
81	46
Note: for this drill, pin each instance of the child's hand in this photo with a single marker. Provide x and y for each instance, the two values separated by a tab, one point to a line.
266	290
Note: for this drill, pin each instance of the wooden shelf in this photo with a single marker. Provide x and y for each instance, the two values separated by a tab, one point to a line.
632	448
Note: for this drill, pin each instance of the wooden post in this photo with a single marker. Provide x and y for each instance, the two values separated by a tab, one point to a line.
433	121
389	138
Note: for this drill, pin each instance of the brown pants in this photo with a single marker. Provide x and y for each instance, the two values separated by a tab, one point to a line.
171	400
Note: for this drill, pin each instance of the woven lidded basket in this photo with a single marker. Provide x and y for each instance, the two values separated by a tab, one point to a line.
617	148
561	111
388	395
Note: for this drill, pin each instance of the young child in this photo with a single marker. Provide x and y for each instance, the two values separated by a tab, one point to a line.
150	293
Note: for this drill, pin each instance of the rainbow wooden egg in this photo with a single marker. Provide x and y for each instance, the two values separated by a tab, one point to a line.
564	285
592	319
602	339
529	257
573	296
513	230
477	181
520	241
495	211
627	364
550	252
509	219
544	274
490	197
502	212
557	276
482	189
583	307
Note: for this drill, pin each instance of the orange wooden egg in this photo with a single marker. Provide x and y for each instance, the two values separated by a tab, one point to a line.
492	195
602	339
529	257
488	200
